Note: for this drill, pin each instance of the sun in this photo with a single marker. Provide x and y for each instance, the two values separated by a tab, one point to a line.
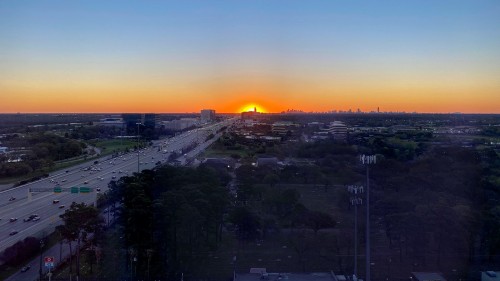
252	107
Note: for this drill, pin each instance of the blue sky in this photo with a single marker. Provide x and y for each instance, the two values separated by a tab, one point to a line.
195	41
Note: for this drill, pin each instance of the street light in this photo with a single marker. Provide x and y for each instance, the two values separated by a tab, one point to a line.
138	124
355	200
368	160
149	253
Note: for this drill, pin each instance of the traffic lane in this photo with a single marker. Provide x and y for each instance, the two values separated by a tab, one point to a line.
46	209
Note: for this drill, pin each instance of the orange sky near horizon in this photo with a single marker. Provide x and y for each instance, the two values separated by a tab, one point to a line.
234	95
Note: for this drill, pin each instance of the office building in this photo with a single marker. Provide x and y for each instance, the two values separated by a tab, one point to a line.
337	130
207	115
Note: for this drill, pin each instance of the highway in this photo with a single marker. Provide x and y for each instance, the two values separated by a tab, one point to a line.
97	176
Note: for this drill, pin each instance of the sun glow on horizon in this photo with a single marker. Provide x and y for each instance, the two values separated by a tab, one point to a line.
252	107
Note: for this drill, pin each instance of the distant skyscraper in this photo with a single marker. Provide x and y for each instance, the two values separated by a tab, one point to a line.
148	120
207	115
131	120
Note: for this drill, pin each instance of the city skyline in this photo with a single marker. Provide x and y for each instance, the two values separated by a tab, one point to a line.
182	56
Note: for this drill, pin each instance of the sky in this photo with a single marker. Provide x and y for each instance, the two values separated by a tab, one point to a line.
184	56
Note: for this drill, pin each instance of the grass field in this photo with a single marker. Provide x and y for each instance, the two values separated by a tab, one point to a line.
290	250
111	146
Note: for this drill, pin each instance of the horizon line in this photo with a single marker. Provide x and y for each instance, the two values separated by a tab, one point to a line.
282	112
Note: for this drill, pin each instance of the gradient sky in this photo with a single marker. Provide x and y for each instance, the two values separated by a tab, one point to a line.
183	56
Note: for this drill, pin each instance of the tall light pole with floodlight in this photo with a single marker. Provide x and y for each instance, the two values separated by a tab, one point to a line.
355	200
368	160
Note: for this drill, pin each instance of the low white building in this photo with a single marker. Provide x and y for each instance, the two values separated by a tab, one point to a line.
180	124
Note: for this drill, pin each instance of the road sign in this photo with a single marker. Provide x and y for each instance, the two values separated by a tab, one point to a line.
74	189
57	189
84	189
49	261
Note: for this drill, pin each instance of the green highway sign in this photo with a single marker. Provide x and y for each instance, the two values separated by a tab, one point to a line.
74	189
57	189
84	189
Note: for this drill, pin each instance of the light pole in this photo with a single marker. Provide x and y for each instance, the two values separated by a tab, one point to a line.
138	124
355	200
234	268
368	160
42	243
149	253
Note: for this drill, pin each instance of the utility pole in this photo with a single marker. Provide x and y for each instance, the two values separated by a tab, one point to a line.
368	160
355	200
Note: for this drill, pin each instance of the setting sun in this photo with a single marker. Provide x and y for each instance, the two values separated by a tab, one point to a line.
252	107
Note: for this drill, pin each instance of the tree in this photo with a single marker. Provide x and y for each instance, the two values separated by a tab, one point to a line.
272	179
318	220
80	221
247	223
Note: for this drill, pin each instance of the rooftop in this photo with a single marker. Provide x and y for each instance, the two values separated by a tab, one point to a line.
318	276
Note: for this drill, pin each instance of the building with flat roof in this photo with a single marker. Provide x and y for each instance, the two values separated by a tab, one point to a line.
428	276
283	128
490	275
180	124
338	130
207	115
111	122
259	274
151	120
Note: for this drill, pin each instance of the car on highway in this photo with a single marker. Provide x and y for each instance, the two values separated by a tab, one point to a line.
33	217
12	198
55	201
13	219
13	232
62	207
25	268
85	182
98	189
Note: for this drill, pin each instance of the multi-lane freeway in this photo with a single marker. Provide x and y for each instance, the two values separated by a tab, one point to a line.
49	205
